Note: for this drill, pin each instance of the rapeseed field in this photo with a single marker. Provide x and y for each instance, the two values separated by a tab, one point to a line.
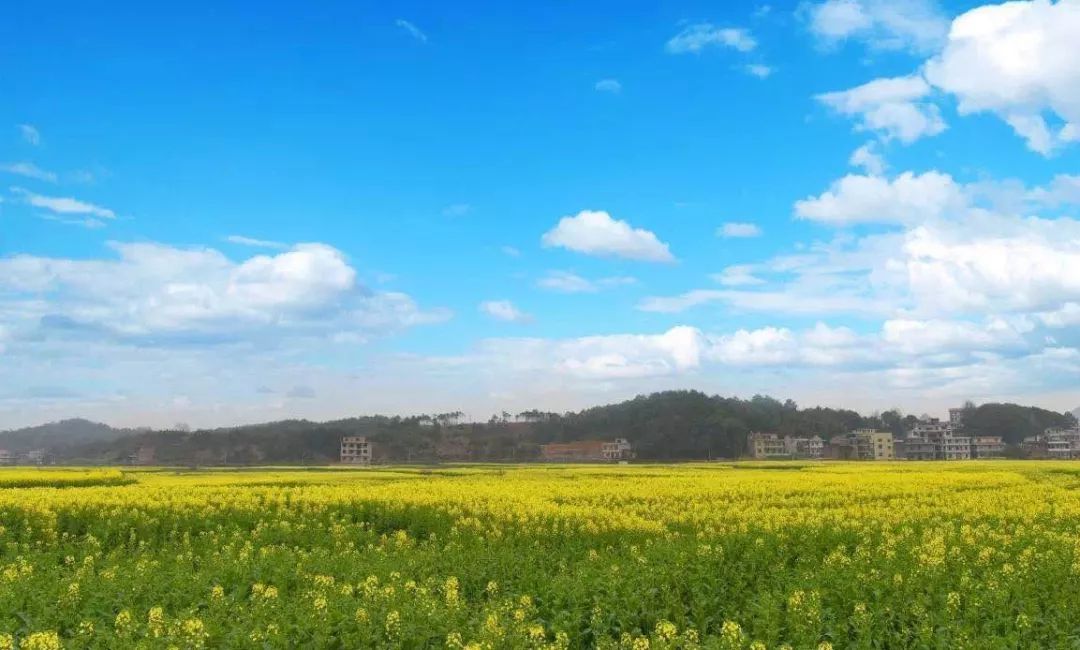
733	556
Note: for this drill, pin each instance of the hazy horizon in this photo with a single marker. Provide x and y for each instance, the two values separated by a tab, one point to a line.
217	218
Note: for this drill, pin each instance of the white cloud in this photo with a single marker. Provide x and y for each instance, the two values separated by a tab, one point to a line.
609	86
923	337
913	25
739	275
624	356
567	282
1018	61
504	310
697	37
868	159
738	229
907	198
62	205
1067	315
154	294
511	251
768	345
1011	265
595	232
824	336
777	303
892	107
30	134
29	170
759	70
241	240
89	223
412	29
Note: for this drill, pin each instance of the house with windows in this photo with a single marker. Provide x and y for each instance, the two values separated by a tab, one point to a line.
355	450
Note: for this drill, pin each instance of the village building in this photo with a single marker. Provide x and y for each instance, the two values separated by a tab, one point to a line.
767	445
355	450
987	447
934	439
762	446
619	449
1063	444
861	444
586	451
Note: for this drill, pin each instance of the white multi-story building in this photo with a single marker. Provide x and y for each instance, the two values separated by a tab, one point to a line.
773	445
355	450
767	445
797	447
1060	443
618	449
933	439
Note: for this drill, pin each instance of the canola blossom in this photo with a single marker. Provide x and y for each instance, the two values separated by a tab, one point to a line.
754	556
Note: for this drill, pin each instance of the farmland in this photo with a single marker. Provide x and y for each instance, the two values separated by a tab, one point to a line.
771	555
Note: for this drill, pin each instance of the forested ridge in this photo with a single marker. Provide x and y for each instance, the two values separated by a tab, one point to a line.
671	425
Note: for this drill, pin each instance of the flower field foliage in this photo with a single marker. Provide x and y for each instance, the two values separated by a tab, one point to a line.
49	477
747	556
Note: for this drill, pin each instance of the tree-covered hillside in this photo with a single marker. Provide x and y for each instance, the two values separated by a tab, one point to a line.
672	425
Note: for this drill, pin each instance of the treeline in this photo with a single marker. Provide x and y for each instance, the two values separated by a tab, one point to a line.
672	425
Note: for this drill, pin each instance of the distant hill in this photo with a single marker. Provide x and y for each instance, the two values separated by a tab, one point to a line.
57	435
671	425
1012	422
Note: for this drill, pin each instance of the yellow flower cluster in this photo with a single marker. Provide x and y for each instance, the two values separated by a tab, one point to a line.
742	556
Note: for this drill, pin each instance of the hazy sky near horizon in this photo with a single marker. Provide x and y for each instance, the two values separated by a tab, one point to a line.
222	213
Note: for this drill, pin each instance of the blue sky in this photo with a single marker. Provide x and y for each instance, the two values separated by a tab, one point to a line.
224	214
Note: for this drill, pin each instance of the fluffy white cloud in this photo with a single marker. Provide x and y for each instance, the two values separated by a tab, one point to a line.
62	205
1012	266
154	294
922	337
1064	189
504	310
1018	61
893	107
768	345
907	198
567	282
595	232
29	170
915	25
734	229
869	159
697	37
627	355
608	86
